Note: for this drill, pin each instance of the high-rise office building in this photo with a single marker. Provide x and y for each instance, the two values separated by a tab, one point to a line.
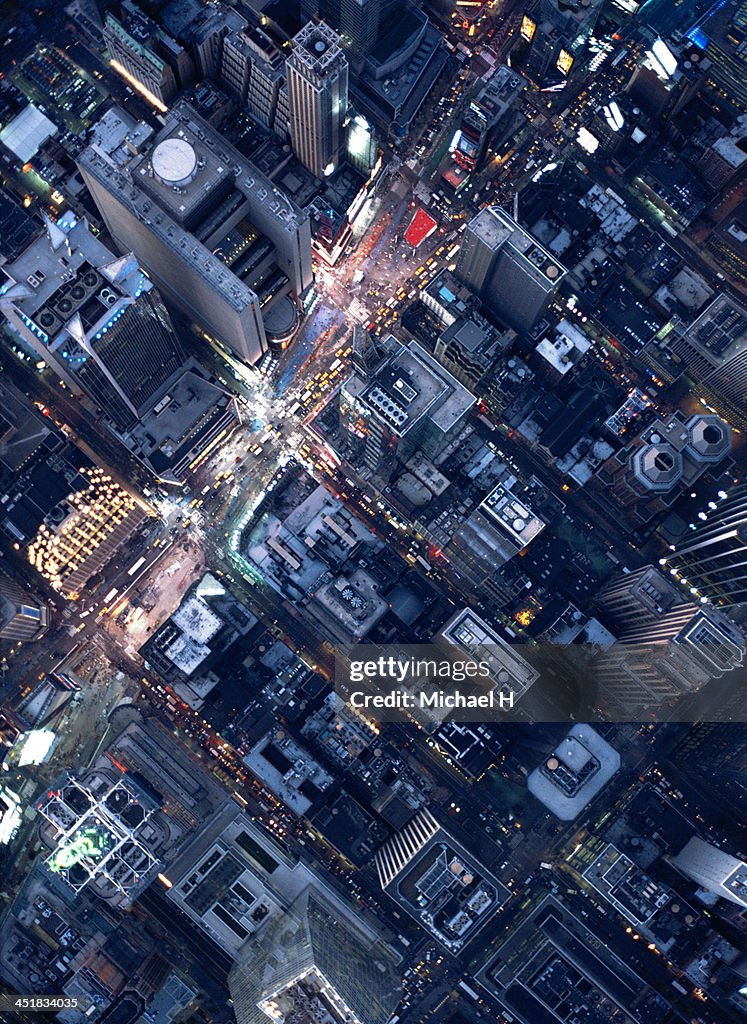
722	34
21	616
712	558
713	757
395	855
553	36
146	56
311	963
670	455
357	21
252	67
93	317
667	645
83	532
399	399
439	882
487	114
395	52
512	273
207	33
104	833
644	605
714	352
318	97
714	870
300	952
216	236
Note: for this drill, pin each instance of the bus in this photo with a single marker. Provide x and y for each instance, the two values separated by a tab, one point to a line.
133	569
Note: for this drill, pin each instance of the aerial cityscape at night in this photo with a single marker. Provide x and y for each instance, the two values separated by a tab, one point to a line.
373	511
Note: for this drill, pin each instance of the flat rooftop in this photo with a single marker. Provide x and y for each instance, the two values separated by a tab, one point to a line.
183	415
66	246
197	160
495	228
413	384
27	132
584	763
471	634
721	329
501	506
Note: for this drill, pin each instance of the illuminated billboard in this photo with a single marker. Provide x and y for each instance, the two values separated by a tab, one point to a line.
528	28
564	62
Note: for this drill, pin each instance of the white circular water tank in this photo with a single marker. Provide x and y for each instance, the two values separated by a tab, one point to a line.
174	161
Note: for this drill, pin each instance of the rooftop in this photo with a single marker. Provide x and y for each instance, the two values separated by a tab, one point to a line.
721	329
27	132
317	50
574	773
513	516
498	94
495	228
565	347
184	416
413	384
467	631
197	150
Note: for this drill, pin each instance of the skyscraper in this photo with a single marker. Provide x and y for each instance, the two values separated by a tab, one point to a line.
714	870
667	646
712	559
669	455
512	273
439	882
217	236
312	963
357	21
96	319
21	617
644	605
146	56
714	351
83	532
402	400
318	96
252	67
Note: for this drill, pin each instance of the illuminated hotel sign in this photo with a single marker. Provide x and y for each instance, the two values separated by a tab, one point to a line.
528	28
564	62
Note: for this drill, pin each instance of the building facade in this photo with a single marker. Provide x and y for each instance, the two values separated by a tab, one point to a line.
83	532
145	55
318	96
512	273
21	616
311	963
714	351
714	870
94	318
712	559
218	237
